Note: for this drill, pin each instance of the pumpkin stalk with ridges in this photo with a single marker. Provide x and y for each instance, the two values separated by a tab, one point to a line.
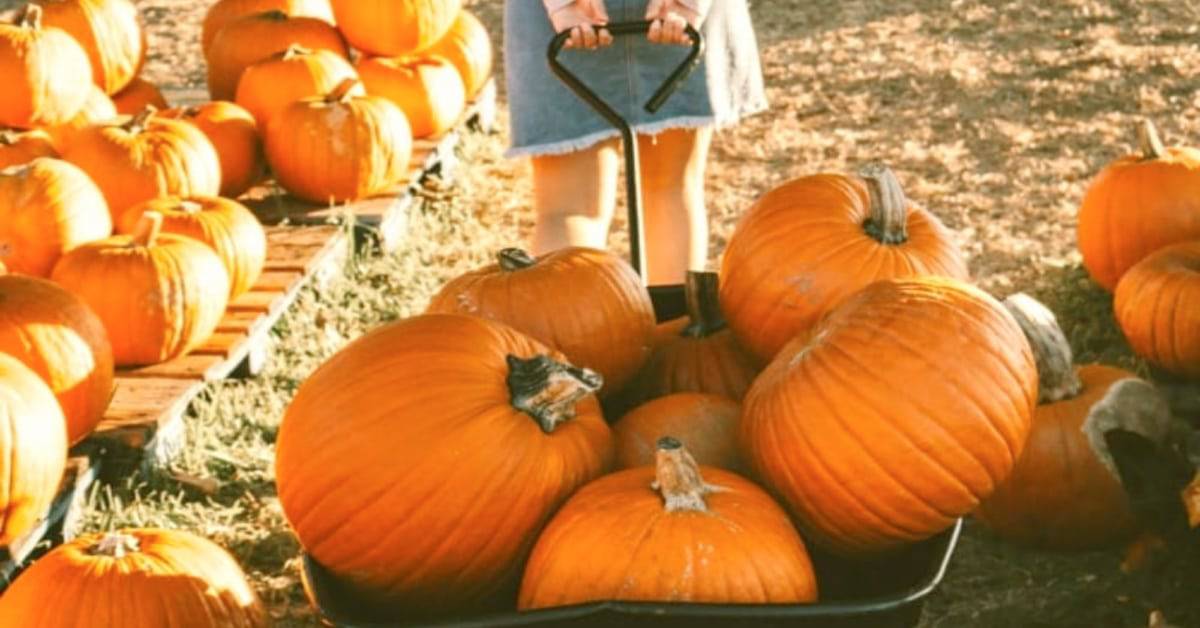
548	390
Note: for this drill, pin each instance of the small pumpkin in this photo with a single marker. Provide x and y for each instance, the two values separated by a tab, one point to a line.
47	207
706	424
179	579
56	335
895	415
674	532
159	295
33	453
587	303
294	74
809	244
1137	205
469	47
98	108
233	132
225	225
428	90
137	158
248	40
339	147
1157	304
390	29
21	147
493	430
222	12
138	95
41	66
109	32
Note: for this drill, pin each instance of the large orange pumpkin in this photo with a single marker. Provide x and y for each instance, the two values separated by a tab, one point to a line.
469	47
810	243
1064	492
1157	303
223	12
392	28
137	95
47	207
428	90
339	147
674	532
54	333
706	424
234	133
33	452
41	67
898	413
172	579
146	156
294	74
248	40
159	295
110	33
587	303
420	462
98	108
225	225
1137	205
21	147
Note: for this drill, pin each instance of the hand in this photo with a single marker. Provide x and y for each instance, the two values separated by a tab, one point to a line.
670	19
582	17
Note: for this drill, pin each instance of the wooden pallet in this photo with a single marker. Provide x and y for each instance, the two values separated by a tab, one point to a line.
59	525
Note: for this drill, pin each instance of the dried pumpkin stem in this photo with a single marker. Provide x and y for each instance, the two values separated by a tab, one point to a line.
31	17
1149	142
147	230
703	304
295	50
343	92
274	15
677	477
514	259
1057	379
138	122
115	545
189	206
548	390
8	137
888	221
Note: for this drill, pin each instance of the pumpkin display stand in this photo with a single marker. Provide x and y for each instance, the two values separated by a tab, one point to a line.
60	523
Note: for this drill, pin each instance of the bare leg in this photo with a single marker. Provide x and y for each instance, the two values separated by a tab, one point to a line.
673	192
574	195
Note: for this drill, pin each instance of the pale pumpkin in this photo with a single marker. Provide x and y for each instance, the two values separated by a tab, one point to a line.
250	39
110	33
33	452
392	28
294	74
469	47
233	132
428	90
138	95
42	69
21	147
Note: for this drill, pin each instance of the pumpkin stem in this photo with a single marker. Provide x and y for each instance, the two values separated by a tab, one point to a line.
514	259
115	545
31	17
1057	379
137	123
888	222
677	477
703	305
274	15
147	230
548	390
8	137
189	206
1149	142
343	92
295	50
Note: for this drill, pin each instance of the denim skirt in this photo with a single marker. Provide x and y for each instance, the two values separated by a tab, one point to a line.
548	118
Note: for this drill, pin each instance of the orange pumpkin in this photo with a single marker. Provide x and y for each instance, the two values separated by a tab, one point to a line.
1064	492
98	108
678	532
589	304
895	415
390	28
234	133
248	40
706	424
1137	205
110	33
159	295
1157	303
523	429
226	226
47	207
179	579
135	159
809	244
294	74
137	95
469	47
41	67
339	147
222	12
33	453
21	147
57	336
428	90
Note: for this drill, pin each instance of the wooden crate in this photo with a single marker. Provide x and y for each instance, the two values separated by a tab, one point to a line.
60	523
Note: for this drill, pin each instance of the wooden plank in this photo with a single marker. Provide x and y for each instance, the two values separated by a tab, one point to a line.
255	301
143	426
278	280
59	523
190	367
237	322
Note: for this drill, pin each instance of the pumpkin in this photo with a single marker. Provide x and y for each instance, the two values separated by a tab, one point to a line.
1157	304
587	303
47	207
339	147
706	424
20	147
33	452
41	67
56	335
137	95
233	132
174	578
248	40
225	225
428	90
294	74
159	295
469	47
672	532
222	12
895	415
392	28
475	433
108	31
134	159
809	244
98	108
1137	205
